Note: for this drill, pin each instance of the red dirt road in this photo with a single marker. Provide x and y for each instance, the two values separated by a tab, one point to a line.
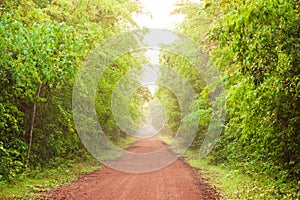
176	181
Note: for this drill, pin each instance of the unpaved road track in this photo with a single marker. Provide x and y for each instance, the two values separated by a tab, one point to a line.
176	181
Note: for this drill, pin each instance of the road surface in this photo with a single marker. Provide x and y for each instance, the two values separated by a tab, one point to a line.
176	181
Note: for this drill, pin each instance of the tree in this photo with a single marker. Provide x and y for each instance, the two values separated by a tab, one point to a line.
43	43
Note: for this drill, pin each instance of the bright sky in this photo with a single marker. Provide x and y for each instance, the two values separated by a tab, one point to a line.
160	11
157	14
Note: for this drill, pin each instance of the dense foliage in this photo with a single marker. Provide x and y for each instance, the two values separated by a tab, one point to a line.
255	46
42	45
263	85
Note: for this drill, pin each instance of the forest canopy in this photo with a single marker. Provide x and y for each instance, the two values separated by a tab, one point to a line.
42	45
255	46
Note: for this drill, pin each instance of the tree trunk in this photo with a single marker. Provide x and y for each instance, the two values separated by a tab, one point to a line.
32	124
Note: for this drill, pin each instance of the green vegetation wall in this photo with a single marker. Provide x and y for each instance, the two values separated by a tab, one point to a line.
255	46
263	85
42	44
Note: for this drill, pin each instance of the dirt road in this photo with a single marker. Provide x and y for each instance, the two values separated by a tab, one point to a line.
176	181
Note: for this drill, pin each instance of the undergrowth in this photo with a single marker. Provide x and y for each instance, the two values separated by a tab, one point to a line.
33	184
232	183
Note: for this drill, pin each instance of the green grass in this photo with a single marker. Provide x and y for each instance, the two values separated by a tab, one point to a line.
233	184
165	139
34	183
124	143
113	153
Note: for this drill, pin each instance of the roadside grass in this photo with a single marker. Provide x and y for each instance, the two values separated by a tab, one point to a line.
165	139
233	184
33	184
113	153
